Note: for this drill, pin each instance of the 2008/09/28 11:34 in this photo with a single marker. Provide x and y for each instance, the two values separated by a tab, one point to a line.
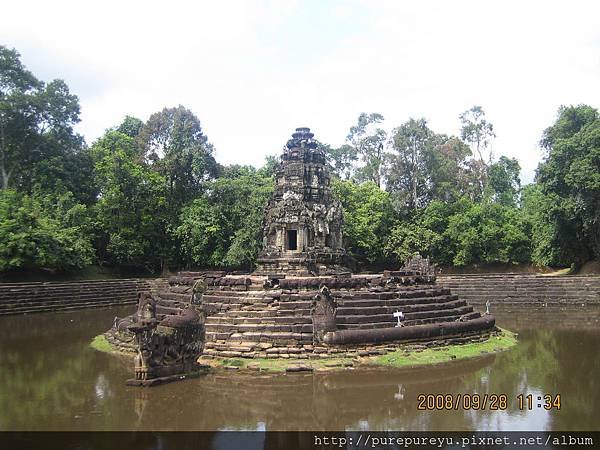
492	402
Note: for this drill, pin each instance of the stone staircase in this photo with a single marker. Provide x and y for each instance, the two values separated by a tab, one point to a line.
259	323
25	298
525	289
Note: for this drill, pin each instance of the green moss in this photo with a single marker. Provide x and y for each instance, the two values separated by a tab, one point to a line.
403	357
101	344
439	355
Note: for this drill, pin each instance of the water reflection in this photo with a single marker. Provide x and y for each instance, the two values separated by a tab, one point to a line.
51	380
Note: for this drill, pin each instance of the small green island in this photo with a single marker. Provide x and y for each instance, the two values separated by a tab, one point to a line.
404	356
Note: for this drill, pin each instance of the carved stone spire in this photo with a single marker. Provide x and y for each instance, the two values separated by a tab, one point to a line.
302	225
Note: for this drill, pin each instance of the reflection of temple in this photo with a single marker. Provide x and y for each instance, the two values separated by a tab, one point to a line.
339	400
302	232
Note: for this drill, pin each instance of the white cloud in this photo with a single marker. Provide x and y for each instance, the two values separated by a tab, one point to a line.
252	71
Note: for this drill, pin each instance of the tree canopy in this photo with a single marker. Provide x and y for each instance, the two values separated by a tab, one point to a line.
149	194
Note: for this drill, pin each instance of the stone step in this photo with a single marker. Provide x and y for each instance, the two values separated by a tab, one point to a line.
375	318
29	284
369	325
359	302
174	296
265	336
270	327
41	301
540	298
525	287
388	309
210	298
64	307
54	293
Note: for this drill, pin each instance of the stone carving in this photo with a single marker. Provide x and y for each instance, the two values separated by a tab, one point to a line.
302	226
419	266
323	312
169	348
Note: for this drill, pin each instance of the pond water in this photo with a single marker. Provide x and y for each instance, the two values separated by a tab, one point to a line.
50	379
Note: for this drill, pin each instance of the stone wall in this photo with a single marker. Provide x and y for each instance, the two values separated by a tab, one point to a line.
517	289
524	289
22	298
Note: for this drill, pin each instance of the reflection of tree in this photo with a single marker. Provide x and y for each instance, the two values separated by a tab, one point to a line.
48	375
527	368
348	399
576	379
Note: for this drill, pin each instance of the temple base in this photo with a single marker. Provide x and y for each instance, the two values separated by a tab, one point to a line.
303	264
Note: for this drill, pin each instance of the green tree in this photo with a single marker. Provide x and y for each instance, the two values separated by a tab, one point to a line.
368	217
341	160
447	167
368	142
406	173
174	143
132	219
538	210
131	126
425	166
478	132
489	232
425	232
37	143
223	227
409	238
43	231
406	166
503	176
270	166
569	177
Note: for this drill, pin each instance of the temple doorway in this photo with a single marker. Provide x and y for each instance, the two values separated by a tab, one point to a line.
292	239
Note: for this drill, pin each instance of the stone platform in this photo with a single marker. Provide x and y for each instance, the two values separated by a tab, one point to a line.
258	316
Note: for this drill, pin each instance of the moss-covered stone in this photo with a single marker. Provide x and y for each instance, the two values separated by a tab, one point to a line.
102	345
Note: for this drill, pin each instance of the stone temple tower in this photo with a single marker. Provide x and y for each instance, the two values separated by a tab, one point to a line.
302	224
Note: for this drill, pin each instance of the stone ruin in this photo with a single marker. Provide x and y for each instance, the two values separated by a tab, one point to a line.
301	302
167	342
302	227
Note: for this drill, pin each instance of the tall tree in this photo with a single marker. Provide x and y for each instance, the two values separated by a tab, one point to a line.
368	142
132	215
223	226
174	143
424	166
131	126
37	141
368	217
406	168
503	176
341	160
570	177
447	167
489	232
477	131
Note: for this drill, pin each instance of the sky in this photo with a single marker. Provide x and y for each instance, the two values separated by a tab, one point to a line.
253	71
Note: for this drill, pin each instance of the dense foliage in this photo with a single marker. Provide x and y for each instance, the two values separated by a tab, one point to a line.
150	195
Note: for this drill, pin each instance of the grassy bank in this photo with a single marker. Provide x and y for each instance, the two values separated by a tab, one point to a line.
440	355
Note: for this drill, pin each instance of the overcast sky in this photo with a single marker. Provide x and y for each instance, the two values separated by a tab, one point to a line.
252	71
